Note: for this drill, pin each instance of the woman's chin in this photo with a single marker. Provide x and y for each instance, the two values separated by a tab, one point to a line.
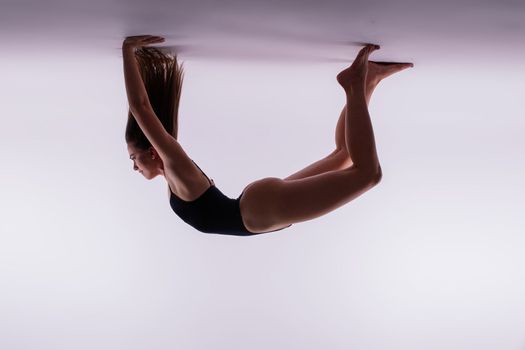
149	176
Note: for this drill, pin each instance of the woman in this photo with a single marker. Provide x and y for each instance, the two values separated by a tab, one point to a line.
153	83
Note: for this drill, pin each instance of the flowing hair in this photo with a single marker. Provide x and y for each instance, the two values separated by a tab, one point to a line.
162	76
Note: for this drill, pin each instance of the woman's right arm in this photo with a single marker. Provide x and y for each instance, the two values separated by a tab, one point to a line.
175	159
139	103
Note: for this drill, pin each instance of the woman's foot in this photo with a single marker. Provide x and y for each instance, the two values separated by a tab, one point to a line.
377	71
355	76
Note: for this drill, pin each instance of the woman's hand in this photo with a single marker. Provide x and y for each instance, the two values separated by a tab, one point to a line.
134	42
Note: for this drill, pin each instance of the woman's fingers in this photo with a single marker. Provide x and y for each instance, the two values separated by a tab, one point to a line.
137	37
154	39
141	40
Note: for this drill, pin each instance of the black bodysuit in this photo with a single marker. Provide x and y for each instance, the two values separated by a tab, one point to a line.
212	212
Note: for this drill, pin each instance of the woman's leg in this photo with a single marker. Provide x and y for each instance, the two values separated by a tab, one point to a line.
359	135
339	158
276	203
336	160
377	71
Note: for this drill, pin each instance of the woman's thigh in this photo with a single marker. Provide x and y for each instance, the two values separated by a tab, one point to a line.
272	203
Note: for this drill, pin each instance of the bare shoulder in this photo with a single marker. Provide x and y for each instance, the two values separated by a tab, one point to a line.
185	179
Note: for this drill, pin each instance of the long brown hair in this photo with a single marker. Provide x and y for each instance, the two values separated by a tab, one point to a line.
162	76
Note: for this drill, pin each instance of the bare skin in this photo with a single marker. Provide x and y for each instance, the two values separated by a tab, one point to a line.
352	169
149	163
272	203
339	158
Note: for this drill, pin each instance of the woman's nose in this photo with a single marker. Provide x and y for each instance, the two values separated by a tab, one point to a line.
135	167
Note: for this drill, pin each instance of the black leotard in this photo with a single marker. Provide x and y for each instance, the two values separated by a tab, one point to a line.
212	212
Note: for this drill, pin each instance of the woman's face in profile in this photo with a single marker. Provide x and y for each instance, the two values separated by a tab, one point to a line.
144	161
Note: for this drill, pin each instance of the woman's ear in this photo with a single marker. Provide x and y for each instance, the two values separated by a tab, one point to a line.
153	153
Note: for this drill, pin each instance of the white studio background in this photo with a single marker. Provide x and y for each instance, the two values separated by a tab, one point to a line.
92	257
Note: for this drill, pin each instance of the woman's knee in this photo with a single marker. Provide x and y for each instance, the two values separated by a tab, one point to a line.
371	175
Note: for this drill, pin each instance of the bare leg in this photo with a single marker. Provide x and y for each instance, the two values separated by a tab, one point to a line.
272	203
340	133
340	158
359	134
377	71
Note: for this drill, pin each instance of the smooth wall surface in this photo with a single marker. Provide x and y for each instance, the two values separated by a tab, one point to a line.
92	257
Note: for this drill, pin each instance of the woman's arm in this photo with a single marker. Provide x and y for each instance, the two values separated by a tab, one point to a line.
139	103
136	91
177	164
